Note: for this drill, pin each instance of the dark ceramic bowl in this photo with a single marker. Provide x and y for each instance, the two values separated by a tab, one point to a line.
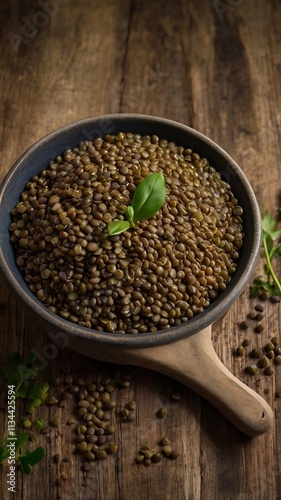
38	156
183	352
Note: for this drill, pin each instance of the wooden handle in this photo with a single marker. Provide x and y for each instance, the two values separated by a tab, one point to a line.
194	362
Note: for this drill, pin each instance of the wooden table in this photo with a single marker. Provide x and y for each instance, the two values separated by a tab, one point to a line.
215	66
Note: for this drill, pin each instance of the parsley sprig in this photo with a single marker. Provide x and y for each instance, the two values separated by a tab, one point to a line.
21	373
148	198
269	282
26	458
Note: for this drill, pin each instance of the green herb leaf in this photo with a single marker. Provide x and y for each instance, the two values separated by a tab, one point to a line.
39	424
149	196
118	226
276	251
269	226
38	391
29	459
270	282
22	438
19	373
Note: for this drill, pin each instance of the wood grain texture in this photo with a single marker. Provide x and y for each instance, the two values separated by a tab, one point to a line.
215	66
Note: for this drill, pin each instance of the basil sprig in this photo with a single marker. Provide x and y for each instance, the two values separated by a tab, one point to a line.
148	198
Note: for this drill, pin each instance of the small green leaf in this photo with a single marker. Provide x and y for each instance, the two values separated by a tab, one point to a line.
4	453
269	226
39	424
118	227
25	466
22	438
149	196
276	251
38	391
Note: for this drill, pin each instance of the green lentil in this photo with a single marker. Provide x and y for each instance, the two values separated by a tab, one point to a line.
55	420
244	325
251	369
81	447
164	441
270	354
139	458
112	448
101	455
131	405
252	315
264	362
269	346
239	351
156	457
167	450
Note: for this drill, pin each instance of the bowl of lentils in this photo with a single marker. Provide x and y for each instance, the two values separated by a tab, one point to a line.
127	230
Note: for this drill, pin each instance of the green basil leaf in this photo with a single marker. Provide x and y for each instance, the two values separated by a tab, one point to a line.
276	250
118	227
149	196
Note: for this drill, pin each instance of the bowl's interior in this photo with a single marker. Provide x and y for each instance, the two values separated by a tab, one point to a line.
38	157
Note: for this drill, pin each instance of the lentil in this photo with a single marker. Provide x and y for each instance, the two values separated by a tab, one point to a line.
251	369
74	267
259	328
243	325
268	371
239	351
162	412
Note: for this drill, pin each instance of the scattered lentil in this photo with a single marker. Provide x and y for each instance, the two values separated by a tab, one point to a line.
259	307
239	351
244	325
268	370
251	369
162	412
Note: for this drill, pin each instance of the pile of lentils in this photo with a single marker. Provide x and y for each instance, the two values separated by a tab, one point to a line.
156	275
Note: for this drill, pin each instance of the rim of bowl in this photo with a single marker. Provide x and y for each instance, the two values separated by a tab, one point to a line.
99	126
